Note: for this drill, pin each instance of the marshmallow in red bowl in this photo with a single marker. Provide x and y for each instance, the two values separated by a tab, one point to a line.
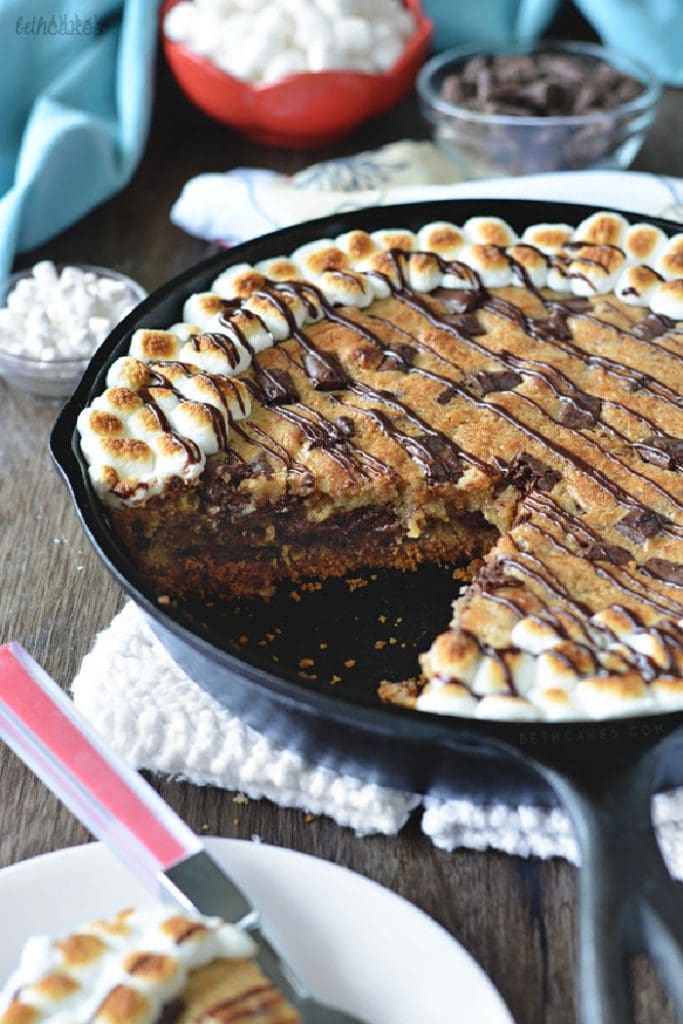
294	72
53	319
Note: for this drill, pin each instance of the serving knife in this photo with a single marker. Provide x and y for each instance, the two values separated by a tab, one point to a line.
43	727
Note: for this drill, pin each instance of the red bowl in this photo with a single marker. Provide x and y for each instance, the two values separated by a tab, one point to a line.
300	110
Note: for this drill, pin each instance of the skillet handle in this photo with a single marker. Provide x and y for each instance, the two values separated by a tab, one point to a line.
628	901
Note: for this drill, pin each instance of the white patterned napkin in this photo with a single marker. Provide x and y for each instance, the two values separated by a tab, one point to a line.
159	719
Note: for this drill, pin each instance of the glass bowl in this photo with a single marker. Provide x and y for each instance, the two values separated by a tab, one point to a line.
482	145
57	377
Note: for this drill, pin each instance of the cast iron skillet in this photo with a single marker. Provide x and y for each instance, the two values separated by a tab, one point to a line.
604	773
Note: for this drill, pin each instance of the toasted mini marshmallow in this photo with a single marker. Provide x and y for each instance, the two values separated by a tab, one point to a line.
358	246
194	421
489	231
555	703
523	670
655	648
556	671
602	229
549	238
120	401
615	620
128	456
395	238
345	288
238	282
202	308
453	655
667	692
236	397
441	237
636	285
506	708
422	272
177	456
200	387
491	676
279	311
534	635
129	373
281	268
458	275
667	299
146	345
184	331
384	271
670	260
533	264
147	423
643	243
446	699
314	258
558	271
607	695
92	423
594	269
216	353
490	263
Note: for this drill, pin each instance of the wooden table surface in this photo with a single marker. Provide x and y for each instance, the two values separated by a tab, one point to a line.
515	916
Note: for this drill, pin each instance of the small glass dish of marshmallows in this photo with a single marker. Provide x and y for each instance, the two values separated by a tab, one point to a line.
53	318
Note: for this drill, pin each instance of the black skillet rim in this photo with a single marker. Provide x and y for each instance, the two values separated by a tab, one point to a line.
391	723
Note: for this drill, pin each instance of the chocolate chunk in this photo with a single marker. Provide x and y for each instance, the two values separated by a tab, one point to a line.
568	307
670	572
325	372
398	356
458	300
487	381
466	323
171	1011
276	386
652	327
445	463
640	524
580	412
493	577
445	396
529	474
549	328
665	452
345	426
596	551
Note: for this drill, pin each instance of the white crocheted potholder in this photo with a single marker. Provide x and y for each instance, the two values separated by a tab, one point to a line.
157	718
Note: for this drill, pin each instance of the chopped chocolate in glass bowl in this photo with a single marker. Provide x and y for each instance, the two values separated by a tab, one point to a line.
539	85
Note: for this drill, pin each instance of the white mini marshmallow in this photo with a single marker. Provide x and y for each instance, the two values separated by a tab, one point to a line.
613	695
184	331
489	231
549	238
602	228
558	279
191	420
490	677
667	692
667	299
636	285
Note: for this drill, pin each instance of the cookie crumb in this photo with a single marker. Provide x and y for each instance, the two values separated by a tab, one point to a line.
349	663
306	663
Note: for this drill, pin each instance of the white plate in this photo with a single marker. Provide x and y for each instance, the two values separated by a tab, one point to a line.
355	944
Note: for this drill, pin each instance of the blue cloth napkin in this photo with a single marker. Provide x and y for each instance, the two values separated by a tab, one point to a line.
649	30
76	87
